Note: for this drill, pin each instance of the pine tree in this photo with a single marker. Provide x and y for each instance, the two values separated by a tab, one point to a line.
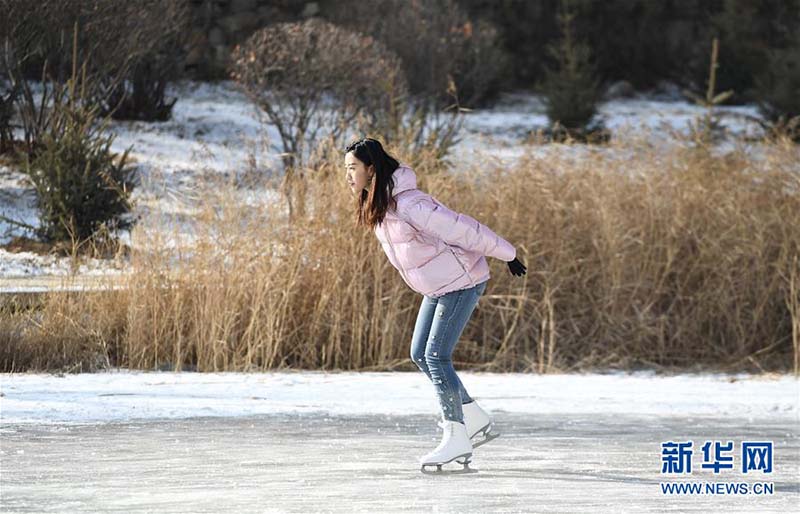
571	89
708	128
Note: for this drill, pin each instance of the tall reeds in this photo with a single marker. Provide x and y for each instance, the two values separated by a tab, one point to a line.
637	257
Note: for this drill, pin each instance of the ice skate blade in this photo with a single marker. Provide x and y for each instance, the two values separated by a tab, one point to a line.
487	437
439	471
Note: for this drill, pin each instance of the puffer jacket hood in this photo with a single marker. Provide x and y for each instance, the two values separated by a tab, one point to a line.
435	249
404	179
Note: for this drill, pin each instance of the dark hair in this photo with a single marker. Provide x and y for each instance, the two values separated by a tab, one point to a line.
374	201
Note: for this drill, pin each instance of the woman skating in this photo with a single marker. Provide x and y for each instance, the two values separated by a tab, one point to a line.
442	255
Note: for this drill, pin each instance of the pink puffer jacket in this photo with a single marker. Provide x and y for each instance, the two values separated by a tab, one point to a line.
435	249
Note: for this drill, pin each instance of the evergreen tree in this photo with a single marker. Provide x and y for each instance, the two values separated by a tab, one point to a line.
571	89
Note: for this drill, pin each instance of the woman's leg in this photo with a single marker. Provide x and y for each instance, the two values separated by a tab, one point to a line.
419	341
421	329
452	312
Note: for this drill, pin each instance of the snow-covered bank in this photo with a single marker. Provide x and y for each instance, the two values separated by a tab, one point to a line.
215	131
25	264
130	395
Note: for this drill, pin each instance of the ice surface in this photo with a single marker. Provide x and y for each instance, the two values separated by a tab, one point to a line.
350	442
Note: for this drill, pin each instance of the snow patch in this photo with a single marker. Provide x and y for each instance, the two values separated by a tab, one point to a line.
122	395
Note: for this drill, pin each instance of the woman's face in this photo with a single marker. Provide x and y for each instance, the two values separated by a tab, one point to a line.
358	175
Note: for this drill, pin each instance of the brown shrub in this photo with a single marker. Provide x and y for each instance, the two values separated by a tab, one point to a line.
314	79
636	258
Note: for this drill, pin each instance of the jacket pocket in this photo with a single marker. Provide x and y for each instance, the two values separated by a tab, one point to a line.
461	263
439	271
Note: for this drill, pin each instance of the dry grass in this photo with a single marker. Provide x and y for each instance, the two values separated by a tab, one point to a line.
636	258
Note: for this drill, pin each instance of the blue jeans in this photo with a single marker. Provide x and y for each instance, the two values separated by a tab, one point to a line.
439	324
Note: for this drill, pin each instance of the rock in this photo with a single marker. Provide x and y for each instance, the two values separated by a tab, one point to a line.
620	89
310	9
669	91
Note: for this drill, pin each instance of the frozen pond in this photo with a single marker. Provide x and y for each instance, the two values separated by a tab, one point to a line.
367	463
349	442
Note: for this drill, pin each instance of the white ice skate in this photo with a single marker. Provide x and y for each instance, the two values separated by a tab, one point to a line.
478	422
455	446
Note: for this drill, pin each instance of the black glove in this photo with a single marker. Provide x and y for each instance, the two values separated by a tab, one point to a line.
516	267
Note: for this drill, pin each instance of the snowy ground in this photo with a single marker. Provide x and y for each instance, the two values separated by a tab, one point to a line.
215	130
125	395
349	442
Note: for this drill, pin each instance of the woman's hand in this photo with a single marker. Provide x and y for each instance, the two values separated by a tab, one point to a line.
516	267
